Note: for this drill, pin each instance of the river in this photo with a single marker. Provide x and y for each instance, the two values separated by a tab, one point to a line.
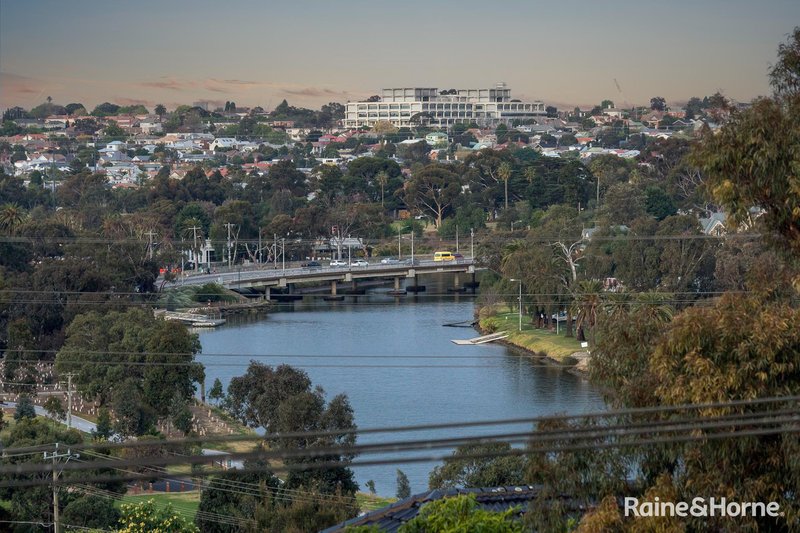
383	352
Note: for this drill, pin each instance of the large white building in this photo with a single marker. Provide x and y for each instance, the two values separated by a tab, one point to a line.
409	106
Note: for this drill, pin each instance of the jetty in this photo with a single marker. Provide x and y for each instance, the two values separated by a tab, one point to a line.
191	319
480	340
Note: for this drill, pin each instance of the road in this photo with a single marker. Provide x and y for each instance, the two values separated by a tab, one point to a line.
81	424
265	272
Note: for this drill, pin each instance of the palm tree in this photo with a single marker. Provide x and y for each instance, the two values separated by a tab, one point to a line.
382	178
530	174
587	301
12	217
653	305
617	305
504	171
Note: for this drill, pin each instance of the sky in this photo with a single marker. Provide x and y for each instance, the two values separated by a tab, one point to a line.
255	52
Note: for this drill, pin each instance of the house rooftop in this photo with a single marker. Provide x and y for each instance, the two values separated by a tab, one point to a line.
389	519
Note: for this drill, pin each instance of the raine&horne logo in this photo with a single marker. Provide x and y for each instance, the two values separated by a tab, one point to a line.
700	507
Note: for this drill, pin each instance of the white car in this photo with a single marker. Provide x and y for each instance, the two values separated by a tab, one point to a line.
360	263
338	263
390	261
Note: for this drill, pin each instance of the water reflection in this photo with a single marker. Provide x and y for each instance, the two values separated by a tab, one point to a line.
383	352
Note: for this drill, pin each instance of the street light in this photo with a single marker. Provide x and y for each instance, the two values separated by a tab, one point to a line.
520	301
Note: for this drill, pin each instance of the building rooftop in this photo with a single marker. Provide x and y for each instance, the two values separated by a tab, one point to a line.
392	517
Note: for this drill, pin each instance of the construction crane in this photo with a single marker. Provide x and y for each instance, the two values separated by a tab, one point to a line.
622	96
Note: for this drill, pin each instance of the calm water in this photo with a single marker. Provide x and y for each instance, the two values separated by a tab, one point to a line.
473	382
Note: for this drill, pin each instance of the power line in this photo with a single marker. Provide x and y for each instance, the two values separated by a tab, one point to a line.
439	426
791	429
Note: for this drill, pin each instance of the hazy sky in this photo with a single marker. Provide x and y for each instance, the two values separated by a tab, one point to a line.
564	52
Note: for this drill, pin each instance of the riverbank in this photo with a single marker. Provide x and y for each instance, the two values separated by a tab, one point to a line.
535	342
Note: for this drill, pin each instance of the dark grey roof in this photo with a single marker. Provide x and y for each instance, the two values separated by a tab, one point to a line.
391	517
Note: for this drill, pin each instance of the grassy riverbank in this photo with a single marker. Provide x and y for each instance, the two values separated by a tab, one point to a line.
535	340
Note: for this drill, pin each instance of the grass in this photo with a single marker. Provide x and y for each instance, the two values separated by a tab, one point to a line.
238	429
557	347
371	502
185	503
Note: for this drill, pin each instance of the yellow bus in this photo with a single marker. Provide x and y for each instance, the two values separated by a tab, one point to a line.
444	256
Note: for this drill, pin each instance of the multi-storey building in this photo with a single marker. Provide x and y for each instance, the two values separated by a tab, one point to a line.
409	106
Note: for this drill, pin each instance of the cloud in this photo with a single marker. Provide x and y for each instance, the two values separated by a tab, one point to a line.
234	82
313	92
171	84
131	101
21	90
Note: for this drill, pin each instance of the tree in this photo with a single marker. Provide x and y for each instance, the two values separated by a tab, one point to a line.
103	429
739	348
146	517
34	503
586	304
12	218
785	73
551	111
216	393
462	470
658	103
628	329
504	172
160	110
433	189
750	163
75	109
55	408
281	400
383	179
371	486
90	512
142	391
24	408
180	415
403	485
105	109
462	513
217	497
607	104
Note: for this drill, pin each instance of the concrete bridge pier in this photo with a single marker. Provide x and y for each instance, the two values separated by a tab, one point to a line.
333	288
397	283
456	281
267	293
290	288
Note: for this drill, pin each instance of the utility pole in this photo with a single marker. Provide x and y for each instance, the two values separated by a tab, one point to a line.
283	254
259	247
55	456
597	203
69	398
399	251
472	243
456	238
196	254
412	246
150	235
228	225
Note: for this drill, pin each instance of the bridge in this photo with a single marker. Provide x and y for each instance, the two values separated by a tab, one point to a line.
267	277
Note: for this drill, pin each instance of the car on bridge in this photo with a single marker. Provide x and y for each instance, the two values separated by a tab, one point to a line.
338	263
360	263
390	261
